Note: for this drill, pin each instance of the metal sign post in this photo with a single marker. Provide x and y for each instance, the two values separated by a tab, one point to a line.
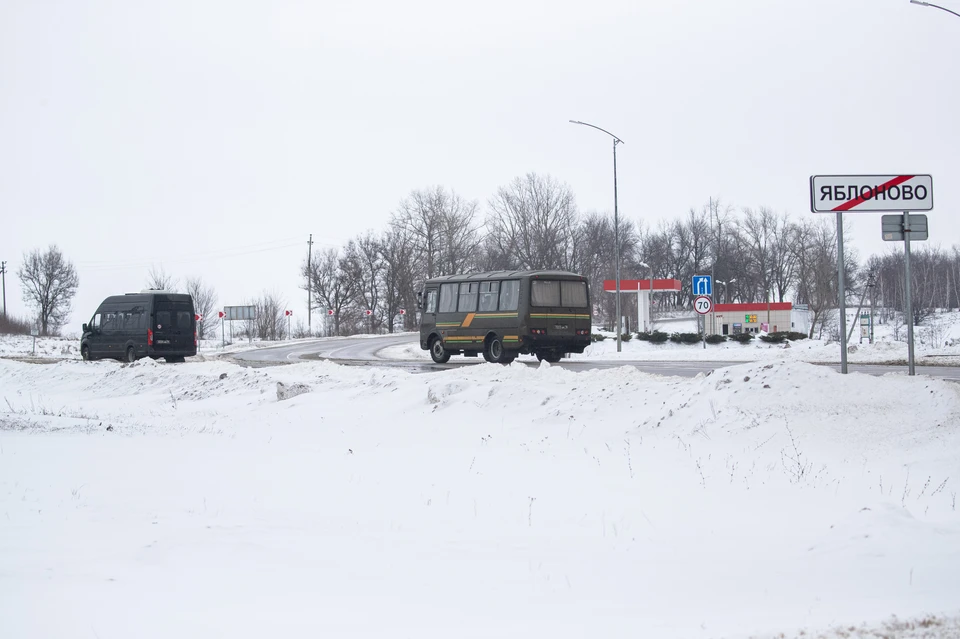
842	292
703	305
873	193
904	228
907	287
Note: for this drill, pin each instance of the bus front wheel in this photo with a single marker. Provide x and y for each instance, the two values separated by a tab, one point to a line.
437	352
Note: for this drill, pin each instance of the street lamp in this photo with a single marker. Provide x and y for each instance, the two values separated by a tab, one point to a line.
726	293
616	221
649	297
935	6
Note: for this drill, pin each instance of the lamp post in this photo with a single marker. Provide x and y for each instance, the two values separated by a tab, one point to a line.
935	6
616	222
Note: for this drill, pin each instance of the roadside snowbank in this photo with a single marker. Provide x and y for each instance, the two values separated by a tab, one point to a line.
150	500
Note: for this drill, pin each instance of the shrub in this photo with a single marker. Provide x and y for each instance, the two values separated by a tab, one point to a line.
625	337
597	337
15	326
716	339
643	337
658	337
773	338
743	338
779	336
685	338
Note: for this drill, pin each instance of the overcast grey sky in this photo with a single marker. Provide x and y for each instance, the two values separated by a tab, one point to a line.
196	134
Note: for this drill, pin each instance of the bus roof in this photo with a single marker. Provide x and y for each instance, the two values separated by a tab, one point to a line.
500	275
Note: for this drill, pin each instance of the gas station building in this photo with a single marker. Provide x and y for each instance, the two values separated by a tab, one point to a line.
766	317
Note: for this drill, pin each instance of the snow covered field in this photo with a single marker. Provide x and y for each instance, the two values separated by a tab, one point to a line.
150	500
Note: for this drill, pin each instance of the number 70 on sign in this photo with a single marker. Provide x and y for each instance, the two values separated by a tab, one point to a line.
702	304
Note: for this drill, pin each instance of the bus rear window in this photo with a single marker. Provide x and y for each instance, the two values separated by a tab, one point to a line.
574	294
545	293
174	316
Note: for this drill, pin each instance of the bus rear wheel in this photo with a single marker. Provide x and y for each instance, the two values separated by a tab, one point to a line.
494	352
437	352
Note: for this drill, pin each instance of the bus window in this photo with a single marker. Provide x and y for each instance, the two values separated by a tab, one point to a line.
574	294
448	298
110	321
545	293
468	297
431	300
509	295
488	296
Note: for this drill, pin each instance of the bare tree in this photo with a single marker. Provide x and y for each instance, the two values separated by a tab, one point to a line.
157	278
49	281
815	253
758	232
534	220
270	323
363	267
204	302
399	286
332	289
442	227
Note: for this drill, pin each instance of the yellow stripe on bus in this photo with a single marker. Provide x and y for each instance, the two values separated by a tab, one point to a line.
466	322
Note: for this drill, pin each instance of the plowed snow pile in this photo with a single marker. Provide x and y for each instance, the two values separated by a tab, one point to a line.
199	500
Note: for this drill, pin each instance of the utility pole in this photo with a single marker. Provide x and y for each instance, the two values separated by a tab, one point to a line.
3	273
309	285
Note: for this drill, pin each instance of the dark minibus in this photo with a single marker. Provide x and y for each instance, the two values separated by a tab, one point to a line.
151	323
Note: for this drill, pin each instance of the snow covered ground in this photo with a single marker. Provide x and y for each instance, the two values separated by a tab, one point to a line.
149	500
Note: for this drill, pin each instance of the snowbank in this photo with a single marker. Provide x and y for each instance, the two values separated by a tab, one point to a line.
152	500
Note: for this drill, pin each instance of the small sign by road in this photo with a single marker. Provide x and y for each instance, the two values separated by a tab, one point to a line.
702	285
703	305
891	226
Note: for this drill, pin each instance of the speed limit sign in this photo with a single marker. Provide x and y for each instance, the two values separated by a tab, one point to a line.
702	304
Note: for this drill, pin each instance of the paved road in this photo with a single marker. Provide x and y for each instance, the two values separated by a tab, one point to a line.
363	351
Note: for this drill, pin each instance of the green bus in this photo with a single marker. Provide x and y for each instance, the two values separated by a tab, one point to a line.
503	314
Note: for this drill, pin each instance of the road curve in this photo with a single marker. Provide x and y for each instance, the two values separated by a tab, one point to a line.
363	351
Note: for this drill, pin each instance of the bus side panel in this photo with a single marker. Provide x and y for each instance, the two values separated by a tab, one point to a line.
505	323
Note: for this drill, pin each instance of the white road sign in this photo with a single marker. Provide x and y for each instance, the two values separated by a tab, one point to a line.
865	193
703	305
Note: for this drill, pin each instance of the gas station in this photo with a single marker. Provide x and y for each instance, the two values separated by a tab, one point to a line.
644	290
722	319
